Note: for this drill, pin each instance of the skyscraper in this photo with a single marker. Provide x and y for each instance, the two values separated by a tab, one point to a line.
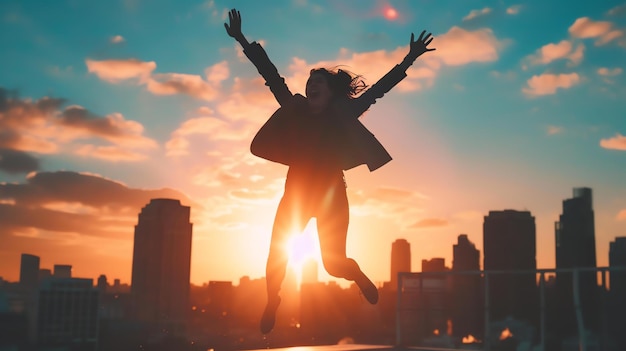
617	279
576	248
161	263
509	239
29	271
617	258
466	292
400	260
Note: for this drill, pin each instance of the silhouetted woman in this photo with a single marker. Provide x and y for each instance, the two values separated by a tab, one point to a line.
318	136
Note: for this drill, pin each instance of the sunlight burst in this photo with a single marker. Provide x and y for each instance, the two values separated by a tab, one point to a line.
302	247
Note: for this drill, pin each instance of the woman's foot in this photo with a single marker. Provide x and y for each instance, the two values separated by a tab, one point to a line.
269	315
368	289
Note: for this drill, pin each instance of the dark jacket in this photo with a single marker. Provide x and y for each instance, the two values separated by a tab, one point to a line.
276	139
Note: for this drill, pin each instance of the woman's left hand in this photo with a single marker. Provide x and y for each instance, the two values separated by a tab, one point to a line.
420	46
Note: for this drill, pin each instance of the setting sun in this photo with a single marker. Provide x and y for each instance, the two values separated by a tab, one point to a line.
391	13
302	247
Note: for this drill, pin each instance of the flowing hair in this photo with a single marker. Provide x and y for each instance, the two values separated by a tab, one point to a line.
342	83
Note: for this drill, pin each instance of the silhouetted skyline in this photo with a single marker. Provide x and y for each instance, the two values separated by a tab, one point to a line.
153	102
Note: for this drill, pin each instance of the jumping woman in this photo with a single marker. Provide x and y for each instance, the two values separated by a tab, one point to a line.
318	136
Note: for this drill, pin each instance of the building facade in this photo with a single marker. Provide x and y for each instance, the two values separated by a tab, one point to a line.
509	239
576	248
67	314
161	264
400	260
29	271
467	298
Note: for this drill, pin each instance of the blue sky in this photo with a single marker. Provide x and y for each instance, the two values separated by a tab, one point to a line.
105	105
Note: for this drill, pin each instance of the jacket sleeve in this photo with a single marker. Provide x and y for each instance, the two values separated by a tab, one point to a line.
257	55
376	91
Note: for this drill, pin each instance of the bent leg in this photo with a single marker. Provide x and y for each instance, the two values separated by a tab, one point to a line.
332	227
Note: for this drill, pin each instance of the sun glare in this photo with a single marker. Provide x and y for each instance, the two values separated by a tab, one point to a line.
391	13
301	247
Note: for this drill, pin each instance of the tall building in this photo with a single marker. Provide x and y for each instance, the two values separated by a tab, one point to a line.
62	271
466	296
67	314
29	271
617	259
436	264
576	248
617	280
509	239
400	260
161	264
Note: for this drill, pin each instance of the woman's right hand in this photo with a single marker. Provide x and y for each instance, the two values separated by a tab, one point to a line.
234	27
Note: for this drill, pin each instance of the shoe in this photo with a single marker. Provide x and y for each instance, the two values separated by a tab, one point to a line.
269	315
368	289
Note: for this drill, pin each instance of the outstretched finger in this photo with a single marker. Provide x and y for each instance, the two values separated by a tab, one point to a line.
412	38
421	36
428	41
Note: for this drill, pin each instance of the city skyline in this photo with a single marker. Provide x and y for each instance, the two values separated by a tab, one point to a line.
514	109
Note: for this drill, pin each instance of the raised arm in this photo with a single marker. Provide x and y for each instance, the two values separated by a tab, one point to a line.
394	76
257	55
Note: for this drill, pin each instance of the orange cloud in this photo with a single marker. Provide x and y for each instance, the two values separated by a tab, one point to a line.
455	48
214	128
584	27
548	84
553	130
618	142
218	72
459	47
117	39
42	126
603	71
113	127
109	153
562	50
477	13
514	10
179	83
116	71
621	216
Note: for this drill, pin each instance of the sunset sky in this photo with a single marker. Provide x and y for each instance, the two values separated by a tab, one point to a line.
107	104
